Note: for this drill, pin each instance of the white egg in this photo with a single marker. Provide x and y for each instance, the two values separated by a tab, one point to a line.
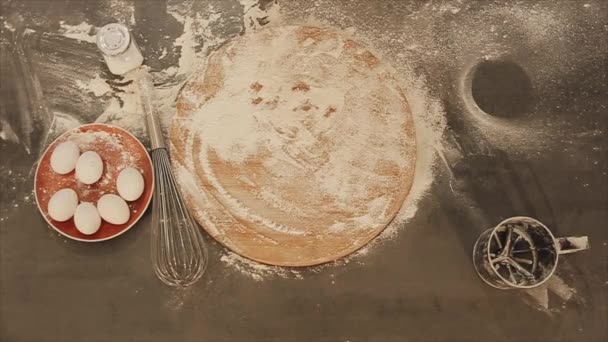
63	204
113	209
89	167
64	157
87	219
130	184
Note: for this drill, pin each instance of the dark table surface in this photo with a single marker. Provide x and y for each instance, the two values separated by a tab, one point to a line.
419	285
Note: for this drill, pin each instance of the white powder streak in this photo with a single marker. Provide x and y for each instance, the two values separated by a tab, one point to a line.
80	32
257	271
97	86
186	43
253	16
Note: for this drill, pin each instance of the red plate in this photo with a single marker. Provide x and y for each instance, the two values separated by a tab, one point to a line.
118	149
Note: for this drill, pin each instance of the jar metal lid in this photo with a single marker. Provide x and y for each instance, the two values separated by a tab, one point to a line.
113	39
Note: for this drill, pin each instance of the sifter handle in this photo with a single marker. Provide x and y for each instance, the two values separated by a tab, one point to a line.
572	244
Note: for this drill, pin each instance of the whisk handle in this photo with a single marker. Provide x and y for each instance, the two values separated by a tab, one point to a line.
146	92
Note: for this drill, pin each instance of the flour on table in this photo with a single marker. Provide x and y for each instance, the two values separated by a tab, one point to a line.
84	32
256	270
98	86
125	110
255	17
195	42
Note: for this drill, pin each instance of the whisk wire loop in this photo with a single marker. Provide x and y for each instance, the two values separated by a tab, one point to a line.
179	254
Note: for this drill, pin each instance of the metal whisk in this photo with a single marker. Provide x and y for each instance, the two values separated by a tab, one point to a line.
179	254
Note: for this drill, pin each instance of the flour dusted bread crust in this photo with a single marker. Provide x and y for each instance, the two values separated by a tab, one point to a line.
294	146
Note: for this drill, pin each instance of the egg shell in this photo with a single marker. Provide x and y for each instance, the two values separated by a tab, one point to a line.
89	167
62	205
64	157
113	209
87	219
130	184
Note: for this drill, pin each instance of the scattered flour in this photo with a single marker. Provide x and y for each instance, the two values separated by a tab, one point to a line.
256	16
59	124
98	86
109	140
124	110
9	26
256	270
195	42
539	296
7	133
84	32
119	10
87	139
186	43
